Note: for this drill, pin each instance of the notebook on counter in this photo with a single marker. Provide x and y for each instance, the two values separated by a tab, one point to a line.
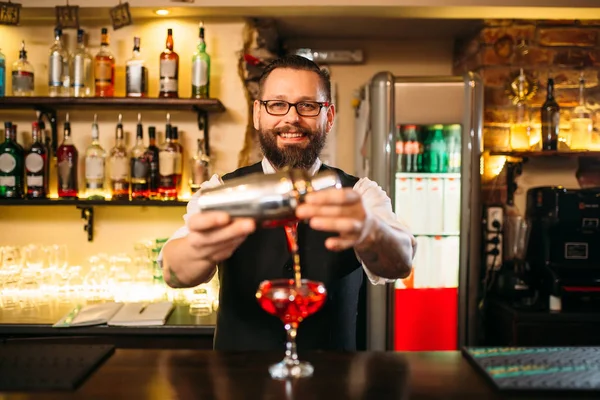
117	314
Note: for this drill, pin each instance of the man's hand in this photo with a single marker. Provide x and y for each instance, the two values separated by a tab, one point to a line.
215	236
340	211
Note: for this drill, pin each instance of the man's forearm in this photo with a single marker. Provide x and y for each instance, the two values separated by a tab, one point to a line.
181	269
387	252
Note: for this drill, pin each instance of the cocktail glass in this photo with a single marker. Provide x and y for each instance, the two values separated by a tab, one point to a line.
291	304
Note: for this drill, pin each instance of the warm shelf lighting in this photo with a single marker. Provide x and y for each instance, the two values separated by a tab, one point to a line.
162	12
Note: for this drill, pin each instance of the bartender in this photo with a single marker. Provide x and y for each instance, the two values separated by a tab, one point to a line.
343	231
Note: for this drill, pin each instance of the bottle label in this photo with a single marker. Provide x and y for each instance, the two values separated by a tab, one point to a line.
7	181
177	163
94	168
78	71
22	81
7	163
136	79
139	169
34	162
166	163
35	181
199	72
104	72
168	76
55	71
119	168
66	175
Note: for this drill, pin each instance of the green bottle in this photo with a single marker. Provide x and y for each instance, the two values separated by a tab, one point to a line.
12	169
201	69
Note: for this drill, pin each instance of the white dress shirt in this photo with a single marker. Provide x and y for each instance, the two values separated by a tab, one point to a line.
373	196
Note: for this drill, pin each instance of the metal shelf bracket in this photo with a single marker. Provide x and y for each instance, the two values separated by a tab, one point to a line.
50	115
202	116
87	214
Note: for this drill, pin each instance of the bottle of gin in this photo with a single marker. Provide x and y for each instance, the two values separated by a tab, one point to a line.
520	127
68	160
201	68
139	165
119	165
58	71
35	166
136	84
169	69
22	75
95	166
11	164
82	67
582	126
104	68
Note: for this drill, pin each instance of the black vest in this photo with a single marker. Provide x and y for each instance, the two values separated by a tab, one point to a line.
243	325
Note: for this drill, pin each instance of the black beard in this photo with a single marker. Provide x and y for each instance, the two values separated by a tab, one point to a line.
291	156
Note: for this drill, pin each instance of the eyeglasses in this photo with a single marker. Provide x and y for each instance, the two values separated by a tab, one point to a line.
303	108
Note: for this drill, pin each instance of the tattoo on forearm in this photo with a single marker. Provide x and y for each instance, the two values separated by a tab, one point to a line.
173	280
387	253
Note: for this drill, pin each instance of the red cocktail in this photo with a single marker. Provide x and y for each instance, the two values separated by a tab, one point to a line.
291	304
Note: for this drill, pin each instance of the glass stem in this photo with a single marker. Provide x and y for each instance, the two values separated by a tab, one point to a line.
291	356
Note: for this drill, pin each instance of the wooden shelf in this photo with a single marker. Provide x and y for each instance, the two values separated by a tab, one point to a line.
548	153
90	203
151	103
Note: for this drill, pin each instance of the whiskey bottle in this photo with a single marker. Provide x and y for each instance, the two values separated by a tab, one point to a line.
104	68
95	166
11	164
550	119
167	157
22	75
169	69
58	68
199	167
201	68
119	165
153	165
136	74
68	159
139	165
82	67
35	166
2	75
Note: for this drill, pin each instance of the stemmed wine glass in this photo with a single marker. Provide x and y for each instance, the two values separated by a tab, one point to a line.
291	304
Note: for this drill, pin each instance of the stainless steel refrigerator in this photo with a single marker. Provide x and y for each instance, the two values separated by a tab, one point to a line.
435	308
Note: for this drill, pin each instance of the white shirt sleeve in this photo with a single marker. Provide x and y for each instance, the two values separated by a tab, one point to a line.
191	208
376	201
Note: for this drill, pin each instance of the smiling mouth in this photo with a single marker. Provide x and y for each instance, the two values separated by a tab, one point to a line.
291	135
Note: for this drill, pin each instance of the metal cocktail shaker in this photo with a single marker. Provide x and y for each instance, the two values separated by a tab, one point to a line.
271	199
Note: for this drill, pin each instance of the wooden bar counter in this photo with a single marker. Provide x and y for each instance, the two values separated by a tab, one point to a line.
202	374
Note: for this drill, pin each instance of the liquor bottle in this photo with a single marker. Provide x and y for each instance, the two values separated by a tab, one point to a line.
95	166
139	165
58	72
119	165
582	126
68	159
104	68
169	69
2	75
153	165
178	158
199	167
35	166
136	75
411	149
550	119
520	127
201	68
22	75
11	164
82	67
167	156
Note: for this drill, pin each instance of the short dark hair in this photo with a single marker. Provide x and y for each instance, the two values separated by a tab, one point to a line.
294	61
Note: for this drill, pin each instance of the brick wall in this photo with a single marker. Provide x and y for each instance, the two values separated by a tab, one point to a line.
543	48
